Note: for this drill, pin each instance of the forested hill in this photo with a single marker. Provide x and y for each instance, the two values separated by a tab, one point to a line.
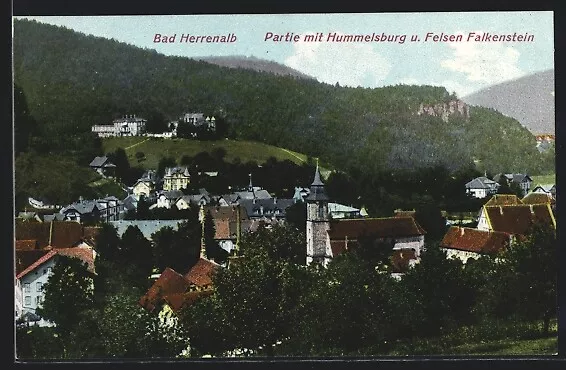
253	63
71	81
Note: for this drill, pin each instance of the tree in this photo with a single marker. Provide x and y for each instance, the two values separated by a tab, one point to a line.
213	250
24	124
156	123
136	255
296	216
281	242
120	159
68	292
165	162
430	218
529	269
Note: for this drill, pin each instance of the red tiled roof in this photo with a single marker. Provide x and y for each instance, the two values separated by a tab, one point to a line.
64	234
26	258
200	274
538	198
46	257
82	253
222	229
179	300
26	245
519	218
390	227
474	240
169	282
338	247
503	199
85	254
226	213
400	260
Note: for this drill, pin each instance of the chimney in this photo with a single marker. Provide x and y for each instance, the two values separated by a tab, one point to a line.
500	210
50	233
461	231
274	200
531	208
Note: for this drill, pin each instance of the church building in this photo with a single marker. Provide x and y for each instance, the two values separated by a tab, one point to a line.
328	237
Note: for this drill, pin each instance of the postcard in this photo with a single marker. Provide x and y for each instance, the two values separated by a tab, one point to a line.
284	186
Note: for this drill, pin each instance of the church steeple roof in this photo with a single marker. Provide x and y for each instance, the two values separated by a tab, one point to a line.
317	181
317	191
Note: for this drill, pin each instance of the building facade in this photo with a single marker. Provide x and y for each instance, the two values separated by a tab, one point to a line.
176	178
129	125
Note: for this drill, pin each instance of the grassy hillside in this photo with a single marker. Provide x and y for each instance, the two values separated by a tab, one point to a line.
154	149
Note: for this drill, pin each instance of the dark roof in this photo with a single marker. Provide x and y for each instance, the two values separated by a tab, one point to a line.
481	183
513	177
317	191
54	217
98	161
64	234
201	273
169	282
391	227
269	206
517	219
503	199
26	245
474	240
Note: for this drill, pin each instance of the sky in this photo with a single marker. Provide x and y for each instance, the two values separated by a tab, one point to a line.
461	66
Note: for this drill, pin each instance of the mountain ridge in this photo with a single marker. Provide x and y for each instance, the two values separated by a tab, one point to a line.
528	99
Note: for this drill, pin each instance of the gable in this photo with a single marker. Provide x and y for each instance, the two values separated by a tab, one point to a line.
518	219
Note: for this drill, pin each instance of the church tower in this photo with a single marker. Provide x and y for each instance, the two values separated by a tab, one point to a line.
317	222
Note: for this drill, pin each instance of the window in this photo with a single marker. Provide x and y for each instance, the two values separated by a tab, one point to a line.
38	286
37	300
27	288
49	270
27	300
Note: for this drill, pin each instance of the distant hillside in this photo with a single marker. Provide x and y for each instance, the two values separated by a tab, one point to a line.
71	81
254	64
528	99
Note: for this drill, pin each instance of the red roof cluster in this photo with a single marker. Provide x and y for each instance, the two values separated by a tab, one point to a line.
58	234
201	273
172	287
26	245
474	240
518	219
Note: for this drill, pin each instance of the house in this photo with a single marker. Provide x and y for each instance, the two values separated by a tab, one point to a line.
198	120
106	209
327	238
539	198
147	227
146	184
337	210
175	290
465	243
269	208
201	199
35	276
228	224
103	166
40	203
130	203
167	199
524	181
128	125
481	187
176	178
546	189
515	219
